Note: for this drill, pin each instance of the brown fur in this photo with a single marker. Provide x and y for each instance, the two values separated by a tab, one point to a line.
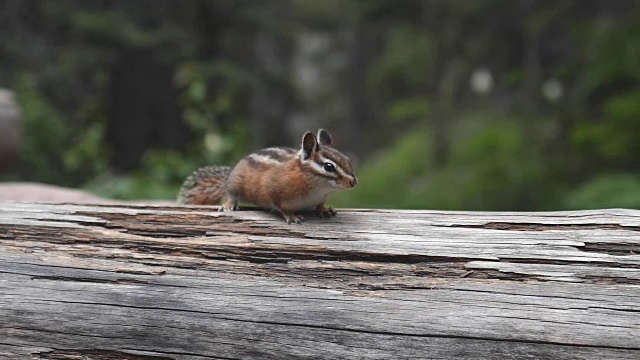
275	178
268	186
297	184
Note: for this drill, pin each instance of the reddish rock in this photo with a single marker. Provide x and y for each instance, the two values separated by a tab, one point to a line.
34	192
10	129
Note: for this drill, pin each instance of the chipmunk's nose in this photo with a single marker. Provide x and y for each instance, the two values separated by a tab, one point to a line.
353	181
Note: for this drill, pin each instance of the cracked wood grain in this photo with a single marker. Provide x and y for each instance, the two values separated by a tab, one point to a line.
169	282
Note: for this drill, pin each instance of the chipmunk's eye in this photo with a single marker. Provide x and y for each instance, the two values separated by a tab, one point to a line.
328	167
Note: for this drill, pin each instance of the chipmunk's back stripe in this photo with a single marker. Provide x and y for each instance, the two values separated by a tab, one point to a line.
277	153
269	156
256	159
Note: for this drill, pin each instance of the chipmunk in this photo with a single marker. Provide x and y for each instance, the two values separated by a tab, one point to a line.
278	178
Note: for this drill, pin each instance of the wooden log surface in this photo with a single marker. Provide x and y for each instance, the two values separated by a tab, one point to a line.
170	282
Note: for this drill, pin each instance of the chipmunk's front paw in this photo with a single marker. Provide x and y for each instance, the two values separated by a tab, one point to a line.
229	206
325	212
291	218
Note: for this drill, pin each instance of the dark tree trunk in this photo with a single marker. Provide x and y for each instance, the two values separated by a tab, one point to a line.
142	108
443	83
271	100
531	60
360	120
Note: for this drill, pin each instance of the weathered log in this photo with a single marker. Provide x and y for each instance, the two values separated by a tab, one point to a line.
162	282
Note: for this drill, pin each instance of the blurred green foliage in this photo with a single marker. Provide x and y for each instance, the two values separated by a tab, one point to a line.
582	151
490	169
606	191
52	152
616	138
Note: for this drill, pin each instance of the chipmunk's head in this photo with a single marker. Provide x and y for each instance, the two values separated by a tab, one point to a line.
330	166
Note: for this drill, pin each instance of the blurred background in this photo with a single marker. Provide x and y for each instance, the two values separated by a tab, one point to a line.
469	104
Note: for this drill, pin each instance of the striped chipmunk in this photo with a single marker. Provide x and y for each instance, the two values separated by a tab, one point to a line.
278	178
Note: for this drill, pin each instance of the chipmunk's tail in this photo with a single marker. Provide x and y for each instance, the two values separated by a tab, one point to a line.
205	186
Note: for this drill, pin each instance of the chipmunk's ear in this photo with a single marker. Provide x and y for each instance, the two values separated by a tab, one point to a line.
309	145
323	137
